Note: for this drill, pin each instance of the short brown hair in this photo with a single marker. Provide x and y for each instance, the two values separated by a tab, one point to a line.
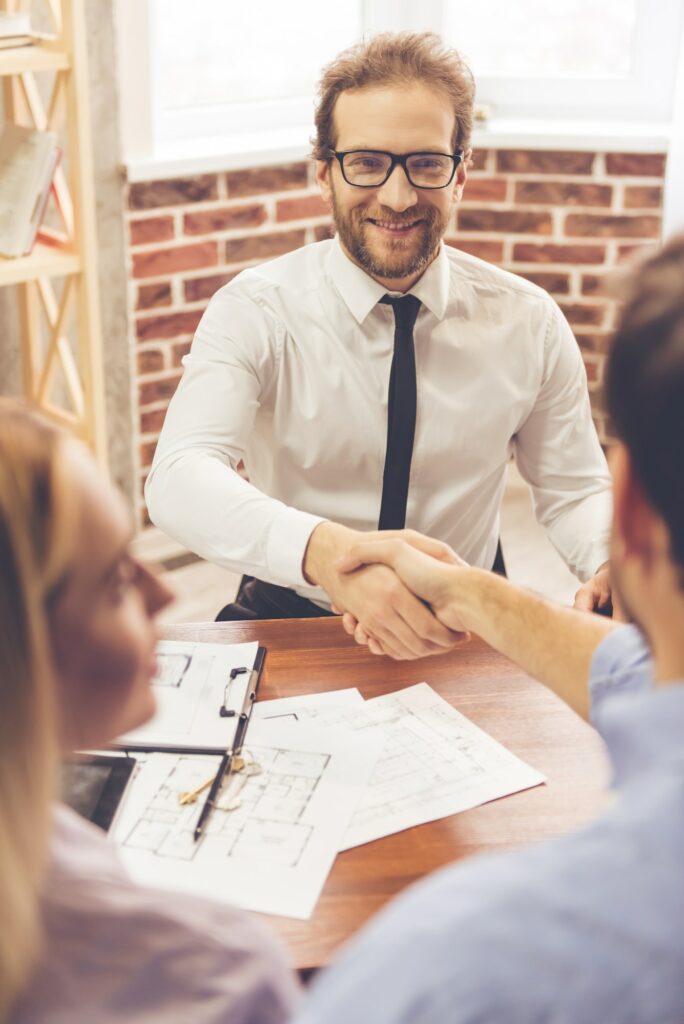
645	385
395	57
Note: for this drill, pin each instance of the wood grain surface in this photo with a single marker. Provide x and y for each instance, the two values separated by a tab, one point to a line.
312	655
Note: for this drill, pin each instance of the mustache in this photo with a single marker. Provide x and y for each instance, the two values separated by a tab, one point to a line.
427	214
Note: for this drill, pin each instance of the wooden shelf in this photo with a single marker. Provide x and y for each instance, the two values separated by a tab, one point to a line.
44	261
39	57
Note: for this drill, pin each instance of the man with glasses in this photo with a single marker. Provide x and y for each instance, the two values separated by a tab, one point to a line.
379	380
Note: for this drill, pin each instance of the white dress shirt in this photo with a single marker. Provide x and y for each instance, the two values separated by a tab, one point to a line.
115	952
289	370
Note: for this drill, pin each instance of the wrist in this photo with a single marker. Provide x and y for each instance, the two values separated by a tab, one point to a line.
327	543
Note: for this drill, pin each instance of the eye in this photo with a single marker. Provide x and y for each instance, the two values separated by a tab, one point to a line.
125	576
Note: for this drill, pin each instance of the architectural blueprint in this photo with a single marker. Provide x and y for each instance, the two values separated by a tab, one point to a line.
434	762
274	831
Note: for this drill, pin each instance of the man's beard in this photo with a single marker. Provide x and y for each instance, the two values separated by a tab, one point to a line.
398	260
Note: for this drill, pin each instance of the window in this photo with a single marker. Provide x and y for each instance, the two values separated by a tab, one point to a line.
228	67
213	75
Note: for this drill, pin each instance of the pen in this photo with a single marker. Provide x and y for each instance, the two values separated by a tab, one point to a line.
213	793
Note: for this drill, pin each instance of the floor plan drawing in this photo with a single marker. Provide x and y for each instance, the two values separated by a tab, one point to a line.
273	832
256	816
434	763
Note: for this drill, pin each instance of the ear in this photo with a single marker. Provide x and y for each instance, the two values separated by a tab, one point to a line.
461	176
323	176
636	524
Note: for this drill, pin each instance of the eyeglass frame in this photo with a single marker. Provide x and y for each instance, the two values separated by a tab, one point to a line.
397	160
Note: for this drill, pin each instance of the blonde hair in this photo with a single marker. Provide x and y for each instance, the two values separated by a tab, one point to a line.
35	540
395	58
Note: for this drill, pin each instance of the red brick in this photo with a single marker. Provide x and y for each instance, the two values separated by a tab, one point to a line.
255	247
151	229
259	180
151	422
597	342
161	390
505	221
643	196
485	190
553	282
171	325
301	208
150	361
147	450
228	218
490	251
529	252
542	161
323	231
646	165
584	314
563	193
179	351
595	225
195	289
478	160
594	284
146	195
593	369
635	252
152	295
174	259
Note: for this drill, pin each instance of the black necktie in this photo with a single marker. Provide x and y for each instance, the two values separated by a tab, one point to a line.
401	414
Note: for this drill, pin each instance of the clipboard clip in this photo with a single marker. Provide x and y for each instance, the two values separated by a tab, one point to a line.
224	710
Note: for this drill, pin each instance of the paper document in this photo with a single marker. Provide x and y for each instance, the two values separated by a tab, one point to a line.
273	835
190	686
434	763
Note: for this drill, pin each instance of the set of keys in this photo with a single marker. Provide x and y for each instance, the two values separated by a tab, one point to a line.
241	771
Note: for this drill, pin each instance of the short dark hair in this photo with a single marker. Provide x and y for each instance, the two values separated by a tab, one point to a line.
645	385
395	58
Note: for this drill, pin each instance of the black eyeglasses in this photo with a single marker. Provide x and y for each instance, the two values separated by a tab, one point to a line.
370	168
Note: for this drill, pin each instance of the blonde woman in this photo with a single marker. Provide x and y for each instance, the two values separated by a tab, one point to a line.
78	940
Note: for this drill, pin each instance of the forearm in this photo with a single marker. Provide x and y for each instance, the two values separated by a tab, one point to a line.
200	500
552	643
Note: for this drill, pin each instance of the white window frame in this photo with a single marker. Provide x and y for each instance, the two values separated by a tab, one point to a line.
258	133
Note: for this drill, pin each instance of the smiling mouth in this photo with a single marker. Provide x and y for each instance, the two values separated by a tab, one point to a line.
399	228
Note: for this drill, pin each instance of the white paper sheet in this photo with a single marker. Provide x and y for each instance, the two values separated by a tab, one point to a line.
434	763
274	851
189	688
309	706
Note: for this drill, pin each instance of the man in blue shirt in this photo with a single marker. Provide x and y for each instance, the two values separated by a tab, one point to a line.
589	928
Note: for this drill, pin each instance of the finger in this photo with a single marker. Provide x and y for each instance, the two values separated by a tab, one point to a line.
349	623
410	630
361	636
429	546
367	552
584	599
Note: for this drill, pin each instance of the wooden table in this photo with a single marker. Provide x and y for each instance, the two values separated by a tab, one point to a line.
312	655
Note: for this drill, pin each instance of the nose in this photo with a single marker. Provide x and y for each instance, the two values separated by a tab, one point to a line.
397	193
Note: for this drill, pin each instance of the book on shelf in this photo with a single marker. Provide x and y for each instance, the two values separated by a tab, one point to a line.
28	160
15	29
15	23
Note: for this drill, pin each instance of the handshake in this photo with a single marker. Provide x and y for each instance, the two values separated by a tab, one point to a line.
406	595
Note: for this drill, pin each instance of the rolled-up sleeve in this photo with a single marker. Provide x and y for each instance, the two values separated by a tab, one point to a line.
194	492
558	453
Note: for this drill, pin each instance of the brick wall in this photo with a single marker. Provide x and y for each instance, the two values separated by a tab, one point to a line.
561	219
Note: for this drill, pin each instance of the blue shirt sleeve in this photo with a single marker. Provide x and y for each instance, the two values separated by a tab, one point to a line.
621	664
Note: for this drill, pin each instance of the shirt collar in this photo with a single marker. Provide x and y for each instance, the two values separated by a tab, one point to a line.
361	292
644	731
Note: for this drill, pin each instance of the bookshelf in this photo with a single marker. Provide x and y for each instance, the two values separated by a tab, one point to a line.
45	86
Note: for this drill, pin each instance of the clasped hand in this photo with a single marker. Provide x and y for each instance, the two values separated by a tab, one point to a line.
378	608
